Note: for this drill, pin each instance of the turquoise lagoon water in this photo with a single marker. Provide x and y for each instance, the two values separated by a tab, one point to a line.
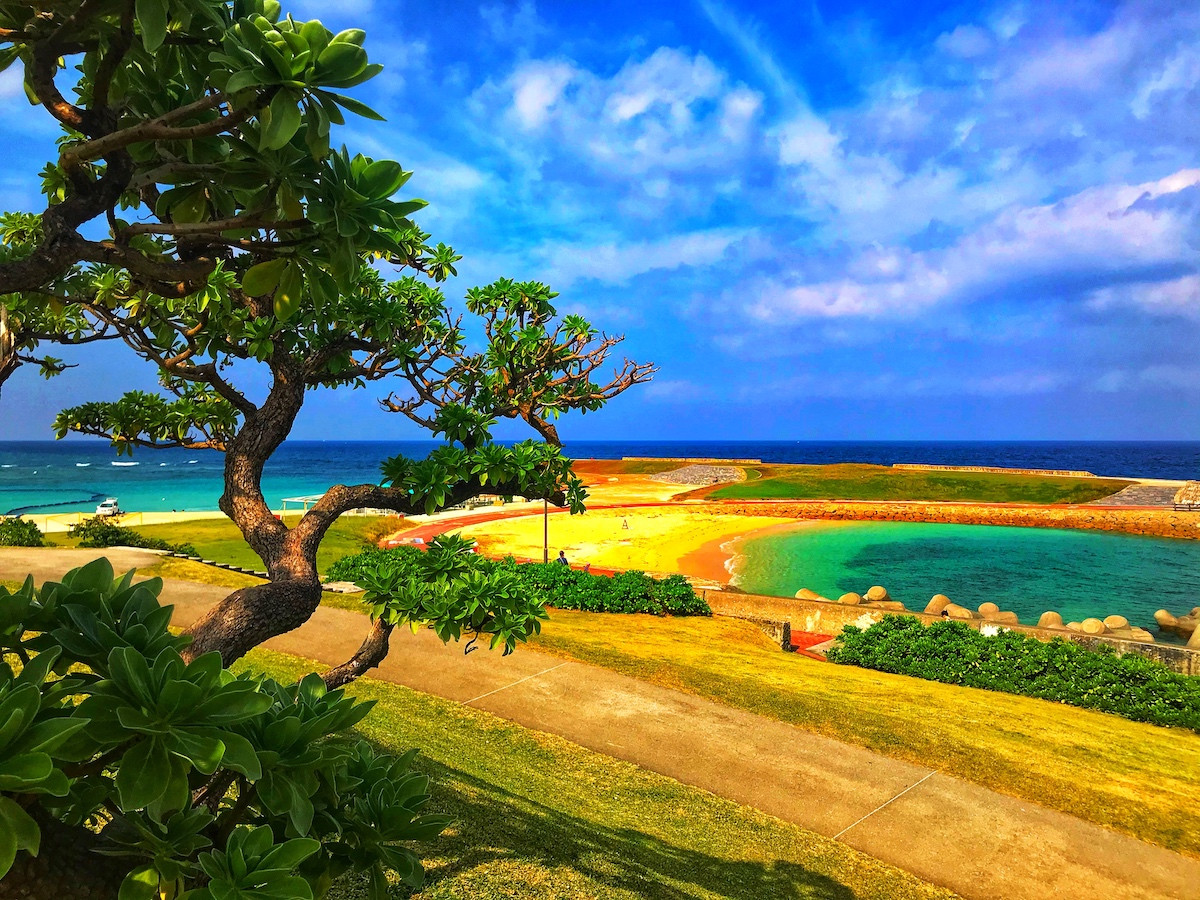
1026	570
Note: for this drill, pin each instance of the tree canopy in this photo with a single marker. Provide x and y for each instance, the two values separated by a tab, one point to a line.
199	212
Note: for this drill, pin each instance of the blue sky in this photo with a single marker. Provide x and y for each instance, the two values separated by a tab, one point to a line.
835	221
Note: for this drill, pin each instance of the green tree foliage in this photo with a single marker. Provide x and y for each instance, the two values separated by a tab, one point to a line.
101	531
1132	685
204	782
18	532
200	212
244	249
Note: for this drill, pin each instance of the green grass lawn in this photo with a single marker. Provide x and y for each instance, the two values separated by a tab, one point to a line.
1137	778
625	466
536	816
863	482
220	540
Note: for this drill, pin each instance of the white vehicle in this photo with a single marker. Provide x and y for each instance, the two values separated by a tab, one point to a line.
109	507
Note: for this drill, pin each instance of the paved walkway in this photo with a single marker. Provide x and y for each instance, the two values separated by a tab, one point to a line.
950	832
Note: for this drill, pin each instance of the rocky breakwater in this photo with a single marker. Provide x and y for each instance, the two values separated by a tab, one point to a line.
1186	626
1153	522
876	597
1114	626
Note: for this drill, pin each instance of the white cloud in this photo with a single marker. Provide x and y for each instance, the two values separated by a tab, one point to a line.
1180	73
965	41
672	391
618	262
10	82
894	384
670	112
1156	377
536	87
1124	234
742	33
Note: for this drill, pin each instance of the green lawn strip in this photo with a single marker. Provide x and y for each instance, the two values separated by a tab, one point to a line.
539	817
864	482
626	466
1136	778
220	540
187	570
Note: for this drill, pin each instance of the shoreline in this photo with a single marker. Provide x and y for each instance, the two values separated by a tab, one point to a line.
717	560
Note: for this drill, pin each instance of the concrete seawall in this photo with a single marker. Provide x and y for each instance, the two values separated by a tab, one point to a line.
1127	520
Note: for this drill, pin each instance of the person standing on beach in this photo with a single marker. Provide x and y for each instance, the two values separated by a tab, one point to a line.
562	558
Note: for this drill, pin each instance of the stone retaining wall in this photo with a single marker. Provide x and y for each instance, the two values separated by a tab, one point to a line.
821	617
1156	522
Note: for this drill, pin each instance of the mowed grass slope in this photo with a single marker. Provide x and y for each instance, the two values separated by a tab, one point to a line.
220	540
865	482
541	818
625	466
1137	778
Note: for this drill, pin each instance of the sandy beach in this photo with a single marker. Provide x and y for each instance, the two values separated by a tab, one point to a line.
653	539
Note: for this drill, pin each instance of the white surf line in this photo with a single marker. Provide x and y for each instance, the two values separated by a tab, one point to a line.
882	805
514	684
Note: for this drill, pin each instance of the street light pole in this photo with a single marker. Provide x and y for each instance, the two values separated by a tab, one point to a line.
545	531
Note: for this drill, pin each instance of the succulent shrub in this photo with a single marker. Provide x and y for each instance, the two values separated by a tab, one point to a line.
205	783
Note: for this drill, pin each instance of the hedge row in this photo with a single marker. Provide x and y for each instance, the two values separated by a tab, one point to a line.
103	532
1131	686
18	532
565	588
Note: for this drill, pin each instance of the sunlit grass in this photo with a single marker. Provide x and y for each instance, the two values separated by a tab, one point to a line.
220	540
1137	778
536	816
865	482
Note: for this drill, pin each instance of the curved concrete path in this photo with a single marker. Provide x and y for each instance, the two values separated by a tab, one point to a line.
976	842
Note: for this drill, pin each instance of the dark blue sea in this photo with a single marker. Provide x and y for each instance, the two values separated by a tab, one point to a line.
74	475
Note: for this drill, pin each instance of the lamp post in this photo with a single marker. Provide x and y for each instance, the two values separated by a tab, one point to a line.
545	531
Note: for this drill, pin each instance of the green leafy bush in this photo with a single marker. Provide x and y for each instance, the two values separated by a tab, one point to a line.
551	584
1131	686
452	591
208	783
100	531
18	532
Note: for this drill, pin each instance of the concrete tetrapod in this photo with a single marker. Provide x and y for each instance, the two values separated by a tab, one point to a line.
936	604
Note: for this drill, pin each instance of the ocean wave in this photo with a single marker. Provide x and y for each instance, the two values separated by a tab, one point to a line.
192	462
736	558
124	464
163	464
8	466
82	465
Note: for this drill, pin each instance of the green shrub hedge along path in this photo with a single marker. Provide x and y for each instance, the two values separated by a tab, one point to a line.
18	532
1130	686
865	482
99	532
536	816
554	584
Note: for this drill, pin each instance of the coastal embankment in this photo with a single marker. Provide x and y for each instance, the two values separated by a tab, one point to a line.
1128	520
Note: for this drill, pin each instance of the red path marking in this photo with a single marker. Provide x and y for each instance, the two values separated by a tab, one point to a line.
802	640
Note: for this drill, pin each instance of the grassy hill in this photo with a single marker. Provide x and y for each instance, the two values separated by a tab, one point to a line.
852	481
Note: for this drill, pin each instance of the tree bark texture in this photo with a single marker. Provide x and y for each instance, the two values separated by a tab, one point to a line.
373	651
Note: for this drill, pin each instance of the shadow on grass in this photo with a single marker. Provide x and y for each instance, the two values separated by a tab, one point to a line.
494	826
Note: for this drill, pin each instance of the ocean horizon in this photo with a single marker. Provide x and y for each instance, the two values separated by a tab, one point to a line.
75	475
